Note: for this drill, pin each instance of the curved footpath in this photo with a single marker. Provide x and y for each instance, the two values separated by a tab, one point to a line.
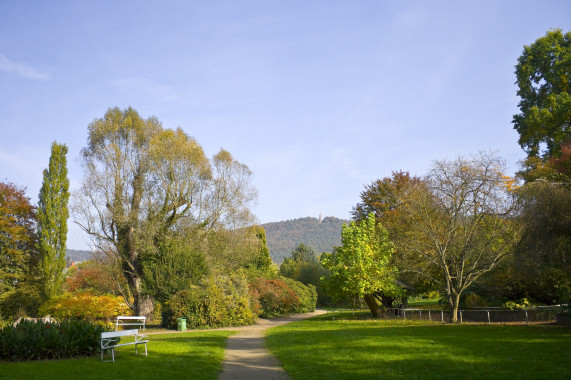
247	356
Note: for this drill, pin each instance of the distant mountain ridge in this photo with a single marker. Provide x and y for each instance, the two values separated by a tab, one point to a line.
321	235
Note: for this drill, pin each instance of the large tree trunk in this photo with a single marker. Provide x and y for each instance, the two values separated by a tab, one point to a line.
387	301
373	305
142	304
454	304
146	307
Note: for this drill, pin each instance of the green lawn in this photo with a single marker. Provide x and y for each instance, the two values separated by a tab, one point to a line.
357	348
196	355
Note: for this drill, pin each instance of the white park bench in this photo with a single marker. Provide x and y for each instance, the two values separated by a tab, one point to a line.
130	321
109	341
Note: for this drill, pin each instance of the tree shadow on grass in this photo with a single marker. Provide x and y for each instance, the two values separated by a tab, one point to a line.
395	350
195	355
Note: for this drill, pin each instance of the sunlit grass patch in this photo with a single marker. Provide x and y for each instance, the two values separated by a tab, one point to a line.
197	355
351	348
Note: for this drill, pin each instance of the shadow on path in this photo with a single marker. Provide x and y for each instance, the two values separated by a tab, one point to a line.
247	356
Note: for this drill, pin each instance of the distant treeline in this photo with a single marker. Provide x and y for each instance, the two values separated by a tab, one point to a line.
284	236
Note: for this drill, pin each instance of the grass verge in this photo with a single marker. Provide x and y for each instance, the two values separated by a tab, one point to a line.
355	348
196	355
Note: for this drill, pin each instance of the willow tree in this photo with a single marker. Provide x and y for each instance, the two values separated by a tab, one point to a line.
461	222
142	181
52	221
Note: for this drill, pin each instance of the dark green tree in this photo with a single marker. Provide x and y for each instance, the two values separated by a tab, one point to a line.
543	255
175	267
302	256
304	266
261	259
543	78
52	220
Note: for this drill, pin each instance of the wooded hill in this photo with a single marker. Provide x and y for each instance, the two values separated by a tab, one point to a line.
322	236
282	237
78	255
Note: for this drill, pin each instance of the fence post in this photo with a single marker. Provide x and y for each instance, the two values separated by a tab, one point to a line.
488	316
461	316
430	319
404	314
442	312
526	318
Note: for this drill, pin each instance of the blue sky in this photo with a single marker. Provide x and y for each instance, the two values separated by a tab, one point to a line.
318	98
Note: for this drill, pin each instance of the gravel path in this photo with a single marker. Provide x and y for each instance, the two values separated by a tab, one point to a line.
247	356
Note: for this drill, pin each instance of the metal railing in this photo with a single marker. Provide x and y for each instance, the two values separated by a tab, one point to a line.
537	314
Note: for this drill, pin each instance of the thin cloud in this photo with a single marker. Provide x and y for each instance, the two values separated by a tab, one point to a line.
21	69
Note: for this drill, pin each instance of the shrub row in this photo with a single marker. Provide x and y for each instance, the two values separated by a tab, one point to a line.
219	301
38	340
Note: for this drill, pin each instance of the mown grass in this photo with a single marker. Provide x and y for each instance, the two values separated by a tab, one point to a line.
356	348
196	355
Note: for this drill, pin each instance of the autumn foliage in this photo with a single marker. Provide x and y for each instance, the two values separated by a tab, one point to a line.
17	235
89	276
85	306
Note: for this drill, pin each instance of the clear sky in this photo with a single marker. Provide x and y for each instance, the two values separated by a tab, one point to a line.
318	98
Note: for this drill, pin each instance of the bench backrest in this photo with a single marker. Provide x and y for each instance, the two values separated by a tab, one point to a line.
116	334
127	318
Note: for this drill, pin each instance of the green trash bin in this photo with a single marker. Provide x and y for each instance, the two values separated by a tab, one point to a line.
181	324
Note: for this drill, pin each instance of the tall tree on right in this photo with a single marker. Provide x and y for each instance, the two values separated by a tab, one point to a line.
542	258
544	81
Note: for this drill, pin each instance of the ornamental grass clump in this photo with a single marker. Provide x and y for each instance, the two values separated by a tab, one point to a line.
30	340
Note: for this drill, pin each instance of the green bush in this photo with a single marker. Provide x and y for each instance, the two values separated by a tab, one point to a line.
307	295
20	302
519	305
218	301
38	340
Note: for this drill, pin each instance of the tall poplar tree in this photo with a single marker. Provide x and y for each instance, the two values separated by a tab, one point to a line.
52	220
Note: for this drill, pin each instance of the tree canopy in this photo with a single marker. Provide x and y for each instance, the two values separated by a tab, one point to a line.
17	235
462	221
544	80
142	181
52	220
361	266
